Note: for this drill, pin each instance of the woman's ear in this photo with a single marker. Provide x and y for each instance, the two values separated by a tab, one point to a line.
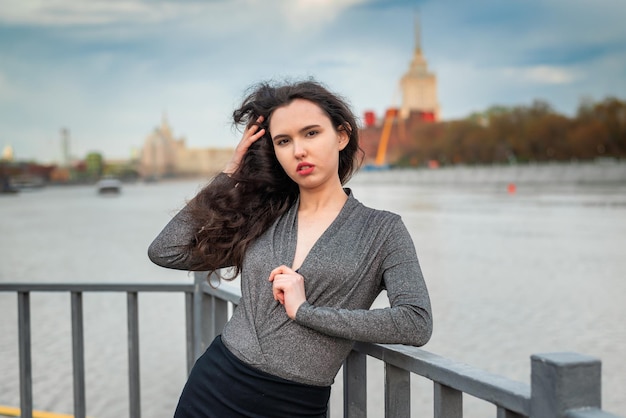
343	136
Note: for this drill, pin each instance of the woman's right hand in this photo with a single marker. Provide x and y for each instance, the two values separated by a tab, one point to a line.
250	135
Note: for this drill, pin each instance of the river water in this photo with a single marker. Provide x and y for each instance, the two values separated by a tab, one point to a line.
510	275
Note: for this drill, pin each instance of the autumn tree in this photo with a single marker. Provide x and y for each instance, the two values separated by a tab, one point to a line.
521	134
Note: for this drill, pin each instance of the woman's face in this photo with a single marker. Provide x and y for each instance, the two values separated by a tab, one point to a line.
307	144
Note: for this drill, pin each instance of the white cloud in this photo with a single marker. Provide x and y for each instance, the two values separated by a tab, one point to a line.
67	12
542	74
301	14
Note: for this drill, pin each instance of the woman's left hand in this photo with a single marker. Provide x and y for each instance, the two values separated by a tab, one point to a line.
288	289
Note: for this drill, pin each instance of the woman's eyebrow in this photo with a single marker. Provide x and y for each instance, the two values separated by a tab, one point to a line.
302	130
306	128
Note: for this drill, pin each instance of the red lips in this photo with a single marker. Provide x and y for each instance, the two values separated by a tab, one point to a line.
305	168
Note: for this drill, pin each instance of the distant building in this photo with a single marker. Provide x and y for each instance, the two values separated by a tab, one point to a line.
7	153
163	155
383	140
419	86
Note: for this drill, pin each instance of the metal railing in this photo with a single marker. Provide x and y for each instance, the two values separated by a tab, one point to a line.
562	384
78	352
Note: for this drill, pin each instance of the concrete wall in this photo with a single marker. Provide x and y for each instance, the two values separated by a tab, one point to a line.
612	171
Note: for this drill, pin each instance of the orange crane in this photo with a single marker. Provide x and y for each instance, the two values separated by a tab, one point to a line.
383	143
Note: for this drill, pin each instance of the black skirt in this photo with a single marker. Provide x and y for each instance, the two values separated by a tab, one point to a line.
222	386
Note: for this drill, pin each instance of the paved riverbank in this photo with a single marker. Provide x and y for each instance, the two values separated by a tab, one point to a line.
585	173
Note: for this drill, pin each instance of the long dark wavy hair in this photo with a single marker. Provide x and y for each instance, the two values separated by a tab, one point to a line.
230	215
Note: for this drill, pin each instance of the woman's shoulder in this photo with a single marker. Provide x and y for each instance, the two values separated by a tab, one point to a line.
380	216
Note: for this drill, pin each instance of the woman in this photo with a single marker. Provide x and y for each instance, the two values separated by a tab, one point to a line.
312	259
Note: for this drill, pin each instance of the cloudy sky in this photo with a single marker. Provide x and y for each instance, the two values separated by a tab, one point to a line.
108	70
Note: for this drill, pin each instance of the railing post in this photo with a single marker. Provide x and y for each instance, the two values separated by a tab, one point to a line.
448	402
189	330
26	365
210	314
397	392
355	386
199	326
78	355
562	382
504	413
219	316
133	355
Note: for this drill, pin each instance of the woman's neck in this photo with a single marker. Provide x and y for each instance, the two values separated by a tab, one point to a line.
328	199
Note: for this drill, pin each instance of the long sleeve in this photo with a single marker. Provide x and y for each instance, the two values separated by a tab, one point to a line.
171	247
408	320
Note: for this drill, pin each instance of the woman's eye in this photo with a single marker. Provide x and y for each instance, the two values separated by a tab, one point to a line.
282	141
312	133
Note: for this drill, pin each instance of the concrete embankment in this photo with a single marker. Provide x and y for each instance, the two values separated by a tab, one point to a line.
580	173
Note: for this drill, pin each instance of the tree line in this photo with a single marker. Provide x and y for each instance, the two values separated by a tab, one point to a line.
534	133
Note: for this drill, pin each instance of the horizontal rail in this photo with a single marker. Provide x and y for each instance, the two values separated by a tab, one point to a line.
95	287
509	394
226	292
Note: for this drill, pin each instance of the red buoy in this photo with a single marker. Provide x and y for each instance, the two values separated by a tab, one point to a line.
511	188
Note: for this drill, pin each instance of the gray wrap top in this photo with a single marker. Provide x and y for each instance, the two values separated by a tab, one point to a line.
363	252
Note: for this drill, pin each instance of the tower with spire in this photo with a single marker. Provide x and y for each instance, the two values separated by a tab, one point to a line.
418	85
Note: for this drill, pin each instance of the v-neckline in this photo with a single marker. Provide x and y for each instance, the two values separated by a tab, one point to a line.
294	232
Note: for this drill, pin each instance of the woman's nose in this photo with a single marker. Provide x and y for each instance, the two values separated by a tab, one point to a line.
299	150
